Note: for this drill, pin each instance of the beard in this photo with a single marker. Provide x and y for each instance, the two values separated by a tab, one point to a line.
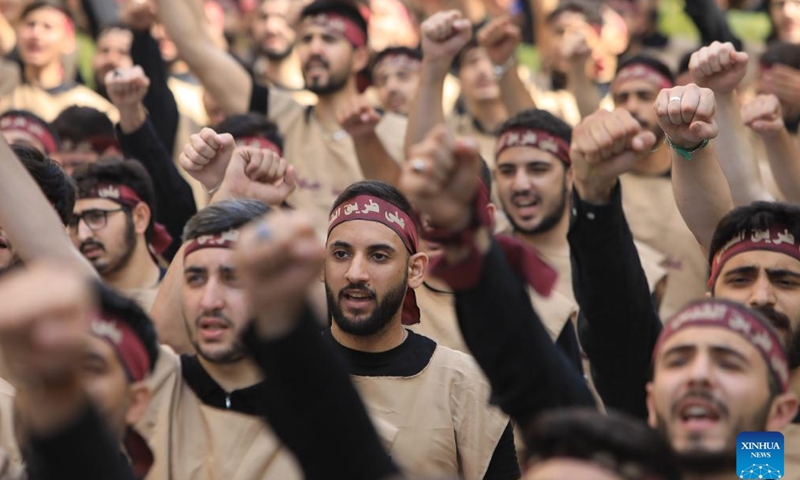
233	354
277	55
701	461
783	325
114	265
378	320
336	80
549	220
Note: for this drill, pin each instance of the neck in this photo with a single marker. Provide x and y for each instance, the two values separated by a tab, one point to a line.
285	73
490	114
140	272
47	77
657	163
388	338
179	67
233	376
552	239
328	105
437	284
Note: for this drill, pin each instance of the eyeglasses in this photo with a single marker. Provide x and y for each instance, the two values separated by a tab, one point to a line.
95	219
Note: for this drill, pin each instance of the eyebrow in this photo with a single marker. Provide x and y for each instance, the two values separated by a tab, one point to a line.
371	248
745	270
781	272
527	163
191	269
715	349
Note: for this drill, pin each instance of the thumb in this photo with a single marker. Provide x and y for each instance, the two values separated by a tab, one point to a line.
226	141
643	142
290	180
704	129
739	57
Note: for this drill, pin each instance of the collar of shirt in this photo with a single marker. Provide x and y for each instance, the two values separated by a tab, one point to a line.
248	400
406	360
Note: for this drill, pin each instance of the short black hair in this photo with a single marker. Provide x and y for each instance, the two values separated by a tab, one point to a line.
223	216
40	4
344	8
781	53
56	185
382	190
591	10
77	124
120	307
33	118
539	120
616	441
413	53
649	61
116	170
251	125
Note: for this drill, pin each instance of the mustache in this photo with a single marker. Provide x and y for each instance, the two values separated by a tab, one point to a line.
216	314
316	59
700	395
778	320
357	288
86	244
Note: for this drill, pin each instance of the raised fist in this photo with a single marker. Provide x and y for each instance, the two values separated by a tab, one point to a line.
358	118
260	174
718	67
784	82
444	34
500	38
764	115
127	87
278	258
686	114
574	47
441	179
206	157
138	15
604	146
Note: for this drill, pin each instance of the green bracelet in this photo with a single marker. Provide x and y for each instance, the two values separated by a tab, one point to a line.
687	153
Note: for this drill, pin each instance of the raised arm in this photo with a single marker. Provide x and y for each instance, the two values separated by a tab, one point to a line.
359	119
501	38
30	222
444	34
764	116
224	78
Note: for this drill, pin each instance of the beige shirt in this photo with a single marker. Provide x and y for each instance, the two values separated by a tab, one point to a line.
437	423
791	445
49	105
193	441
438	319
654	219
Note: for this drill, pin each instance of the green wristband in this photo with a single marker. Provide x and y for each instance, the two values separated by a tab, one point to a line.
687	153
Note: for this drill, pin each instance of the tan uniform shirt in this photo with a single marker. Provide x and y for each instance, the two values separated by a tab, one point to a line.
443	424
49	105
791	445
654	219
191	440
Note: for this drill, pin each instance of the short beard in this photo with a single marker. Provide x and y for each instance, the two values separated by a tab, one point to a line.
232	355
380	318
274	56
549	221
130	246
335	84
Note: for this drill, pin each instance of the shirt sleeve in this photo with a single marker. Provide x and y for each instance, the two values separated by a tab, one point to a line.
618	324
259	98
504	464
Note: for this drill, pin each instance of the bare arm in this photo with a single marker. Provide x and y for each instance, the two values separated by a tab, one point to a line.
31	223
223	77
577	53
500	38
167	313
765	117
360	119
443	36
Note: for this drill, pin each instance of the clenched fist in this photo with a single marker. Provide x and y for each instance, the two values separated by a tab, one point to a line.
718	67
500	38
259	174
444	34
687	115
206	157
764	115
127	87
358	118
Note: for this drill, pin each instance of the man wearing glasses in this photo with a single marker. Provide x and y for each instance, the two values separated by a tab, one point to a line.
113	227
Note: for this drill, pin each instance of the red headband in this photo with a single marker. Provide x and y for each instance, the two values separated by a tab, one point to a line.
97	144
258	142
533	138
340	25
776	239
640	71
226	239
19	123
126	196
126	344
738	319
374	209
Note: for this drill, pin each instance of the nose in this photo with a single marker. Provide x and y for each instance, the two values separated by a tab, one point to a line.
315	46
84	232
700	369
763	293
522	182
356	271
213	297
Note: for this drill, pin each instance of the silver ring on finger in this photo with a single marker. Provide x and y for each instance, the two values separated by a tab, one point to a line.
418	165
674	99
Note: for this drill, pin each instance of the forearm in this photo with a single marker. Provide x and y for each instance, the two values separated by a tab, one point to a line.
516	96
583	89
375	161
167	313
426	111
618	322
701	192
38	234
301	368
735	153
784	159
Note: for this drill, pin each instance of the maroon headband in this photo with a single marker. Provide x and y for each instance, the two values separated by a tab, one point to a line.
126	344
18	123
374	209
258	142
226	239
533	138
339	25
738	319
126	196
640	71
96	143
775	239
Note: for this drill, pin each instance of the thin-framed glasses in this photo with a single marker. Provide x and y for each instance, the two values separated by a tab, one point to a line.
95	219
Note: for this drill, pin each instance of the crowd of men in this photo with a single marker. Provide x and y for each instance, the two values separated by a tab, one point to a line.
361	239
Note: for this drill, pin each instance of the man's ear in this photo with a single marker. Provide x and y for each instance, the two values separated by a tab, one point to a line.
360	58
141	217
651	409
417	266
782	412
139	398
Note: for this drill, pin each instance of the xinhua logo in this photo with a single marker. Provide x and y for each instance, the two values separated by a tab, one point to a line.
759	455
